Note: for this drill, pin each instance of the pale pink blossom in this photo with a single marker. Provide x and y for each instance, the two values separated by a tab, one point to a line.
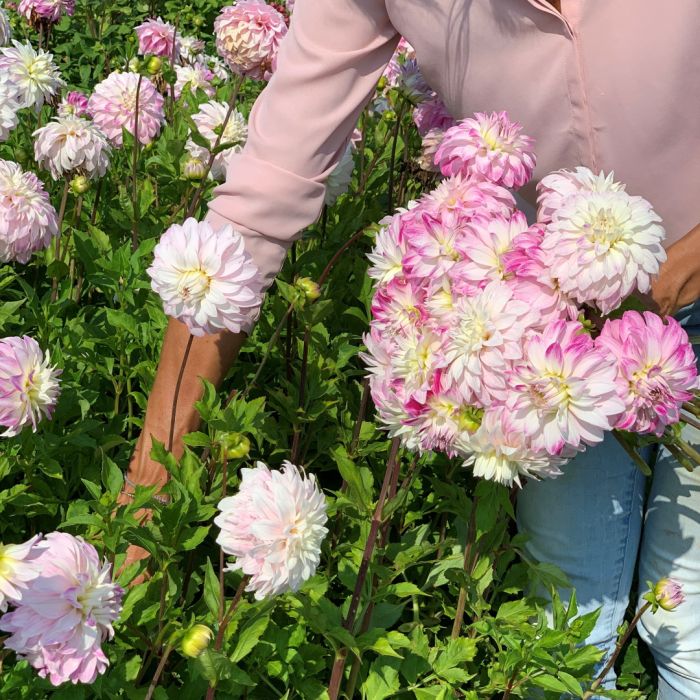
432	114
656	369
17	569
563	392
29	386
28	221
417	358
429	146
5	28
66	613
10	104
470	196
388	252
205	277
113	107
74	104
50	10
195	77
398	305
603	246
490	145
190	48
274	527
668	594
499	451
158	38
71	145
248	35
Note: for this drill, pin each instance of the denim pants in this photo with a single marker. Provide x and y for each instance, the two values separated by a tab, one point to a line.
592	523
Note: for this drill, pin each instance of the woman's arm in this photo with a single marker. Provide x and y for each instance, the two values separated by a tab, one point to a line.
679	280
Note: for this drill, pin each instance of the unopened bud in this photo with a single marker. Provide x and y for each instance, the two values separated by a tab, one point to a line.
196	640
668	594
79	185
235	445
382	83
198	21
135	64
154	65
194	169
308	288
389	116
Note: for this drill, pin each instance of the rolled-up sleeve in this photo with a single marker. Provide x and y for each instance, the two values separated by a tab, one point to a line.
328	65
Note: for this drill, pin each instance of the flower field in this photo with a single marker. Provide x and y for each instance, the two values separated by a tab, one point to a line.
342	523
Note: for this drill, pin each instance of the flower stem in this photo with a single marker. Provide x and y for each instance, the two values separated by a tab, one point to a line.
691	421
302	394
134	172
468	548
173	412
394	144
632	454
157	674
222	560
57	244
618	648
349	622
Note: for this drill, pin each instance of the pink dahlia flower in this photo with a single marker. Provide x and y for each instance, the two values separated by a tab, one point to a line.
158	38
274	526
17	569
74	104
432	114
29	386
10	104
388	252
205	277
416	360
248	35
113	107
564	393
470	196
489	145
5	29
555	188
484	339
71	145
27	219
398	305
193	78
33	73
50	10
429	146
66	613
602	246
499	451
656	369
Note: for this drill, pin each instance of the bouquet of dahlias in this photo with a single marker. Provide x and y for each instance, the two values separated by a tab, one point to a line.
506	343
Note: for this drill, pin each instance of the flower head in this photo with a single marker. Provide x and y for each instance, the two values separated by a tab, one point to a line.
17	569
49	10
432	114
113	107
27	219
205	277
193	78
9	106
602	246
190	48
69	144
158	38
33	73
210	120
490	145
338	181
274	526
29	384
429	146
65	613
248	35
656	369
668	594
5	29
74	104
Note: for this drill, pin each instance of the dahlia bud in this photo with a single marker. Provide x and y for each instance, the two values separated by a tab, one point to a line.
234	445
194	169
389	116
196	640
135	64
79	185
198	21
668	594
308	288
154	65
382	83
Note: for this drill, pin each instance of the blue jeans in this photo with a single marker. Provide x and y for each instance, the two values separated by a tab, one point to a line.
591	523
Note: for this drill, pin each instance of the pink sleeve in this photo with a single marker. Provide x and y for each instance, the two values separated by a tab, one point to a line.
328	66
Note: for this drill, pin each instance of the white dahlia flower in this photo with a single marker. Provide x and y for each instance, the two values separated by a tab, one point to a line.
5	29
9	106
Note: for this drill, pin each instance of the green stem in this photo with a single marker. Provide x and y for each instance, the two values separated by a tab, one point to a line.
134	172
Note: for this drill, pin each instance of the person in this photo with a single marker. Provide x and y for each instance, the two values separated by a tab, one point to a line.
609	84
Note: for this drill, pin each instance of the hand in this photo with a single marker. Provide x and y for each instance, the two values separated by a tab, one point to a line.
678	283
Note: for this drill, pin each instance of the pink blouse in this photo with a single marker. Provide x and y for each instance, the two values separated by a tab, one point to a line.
610	84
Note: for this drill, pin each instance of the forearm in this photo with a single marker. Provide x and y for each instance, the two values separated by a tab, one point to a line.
679	281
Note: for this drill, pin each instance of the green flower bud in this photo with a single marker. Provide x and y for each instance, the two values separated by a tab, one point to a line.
194	169
135	64
79	185
154	65
196	640
308	288
234	445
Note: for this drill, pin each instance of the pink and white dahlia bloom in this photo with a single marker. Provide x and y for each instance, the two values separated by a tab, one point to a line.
66	613
17	569
563	393
470	196
489	145
158	38
432	114
29	385
339	180
33	73
50	10
190	48
248	35
193	78
72	145
205	277
27	218
74	104
484	339
5	29
602	246
274	526
210	120
388	252
499	451
416	360
113	107
398	305
429	146
9	106
555	188
656	369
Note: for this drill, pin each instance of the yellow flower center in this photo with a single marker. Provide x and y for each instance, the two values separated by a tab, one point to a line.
194	285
